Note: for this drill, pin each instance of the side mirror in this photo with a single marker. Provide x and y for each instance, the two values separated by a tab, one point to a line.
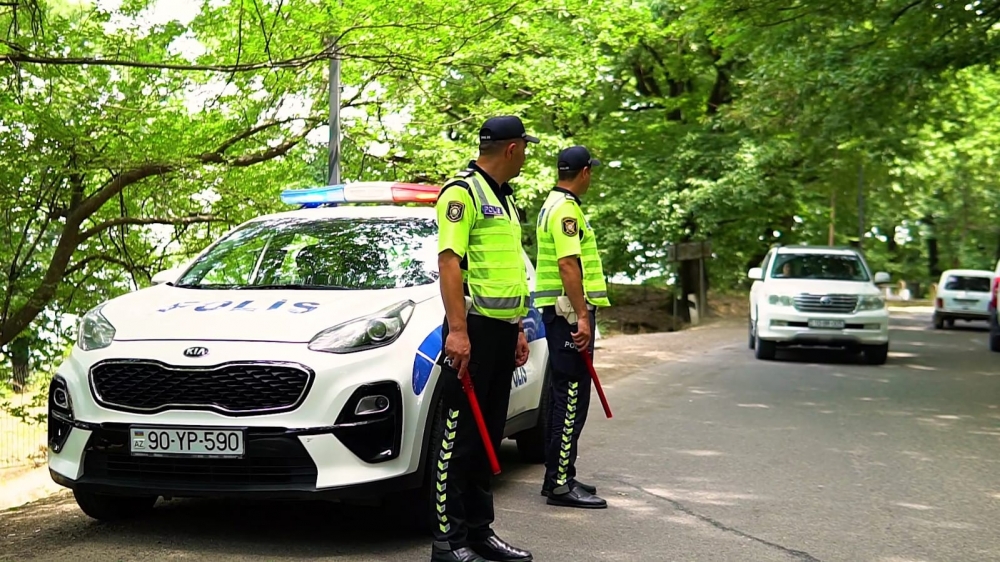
166	276
881	278
756	273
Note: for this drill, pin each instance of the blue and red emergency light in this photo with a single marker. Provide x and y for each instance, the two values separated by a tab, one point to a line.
362	192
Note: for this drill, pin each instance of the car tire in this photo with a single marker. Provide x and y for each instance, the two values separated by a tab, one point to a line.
416	505
938	322
751	343
531	442
876	354
995	342
765	350
113	508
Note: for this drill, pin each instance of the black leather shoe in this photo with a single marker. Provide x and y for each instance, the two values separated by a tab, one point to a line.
439	554
577	497
547	488
496	550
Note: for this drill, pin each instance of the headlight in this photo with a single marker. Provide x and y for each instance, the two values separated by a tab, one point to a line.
94	331
368	332
871	302
780	300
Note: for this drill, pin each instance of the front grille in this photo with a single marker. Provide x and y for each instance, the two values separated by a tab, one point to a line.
164	470
838	304
234	388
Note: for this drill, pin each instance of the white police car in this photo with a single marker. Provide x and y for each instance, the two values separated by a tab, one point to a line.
294	357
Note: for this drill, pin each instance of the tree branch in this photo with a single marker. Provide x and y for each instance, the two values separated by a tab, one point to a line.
78	266
120	221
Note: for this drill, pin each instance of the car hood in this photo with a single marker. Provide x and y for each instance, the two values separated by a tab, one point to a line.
164	312
793	287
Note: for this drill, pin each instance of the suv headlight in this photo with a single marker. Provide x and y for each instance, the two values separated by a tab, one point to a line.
94	331
367	332
871	302
780	300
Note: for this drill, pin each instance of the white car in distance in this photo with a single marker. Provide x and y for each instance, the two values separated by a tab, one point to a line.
963	294
295	357
818	296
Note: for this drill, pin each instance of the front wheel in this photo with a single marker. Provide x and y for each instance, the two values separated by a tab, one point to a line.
751	341
531	442
765	349
876	354
995	342
113	508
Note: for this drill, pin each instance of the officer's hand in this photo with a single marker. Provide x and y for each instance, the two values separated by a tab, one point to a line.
521	352
581	337
458	349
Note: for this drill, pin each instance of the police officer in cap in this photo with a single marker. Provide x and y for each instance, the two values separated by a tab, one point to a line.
569	287
485	296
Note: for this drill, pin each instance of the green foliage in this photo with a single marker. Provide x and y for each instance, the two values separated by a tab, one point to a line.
129	146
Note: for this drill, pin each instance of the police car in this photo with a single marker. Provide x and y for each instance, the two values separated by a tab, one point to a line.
295	357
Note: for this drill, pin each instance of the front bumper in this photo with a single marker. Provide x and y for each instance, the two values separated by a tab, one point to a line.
276	465
785	325
319	448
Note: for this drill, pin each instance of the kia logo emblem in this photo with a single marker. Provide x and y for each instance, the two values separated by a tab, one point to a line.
196	352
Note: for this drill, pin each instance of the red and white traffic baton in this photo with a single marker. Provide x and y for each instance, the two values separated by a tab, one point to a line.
597	382
470	393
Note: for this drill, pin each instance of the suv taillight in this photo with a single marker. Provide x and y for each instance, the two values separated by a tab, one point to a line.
996	289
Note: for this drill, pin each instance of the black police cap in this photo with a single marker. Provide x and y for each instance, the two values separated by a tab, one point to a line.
576	158
505	127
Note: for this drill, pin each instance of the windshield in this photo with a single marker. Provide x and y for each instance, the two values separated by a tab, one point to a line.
966	283
347	253
818	266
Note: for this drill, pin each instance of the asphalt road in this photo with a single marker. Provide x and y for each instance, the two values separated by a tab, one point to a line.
711	456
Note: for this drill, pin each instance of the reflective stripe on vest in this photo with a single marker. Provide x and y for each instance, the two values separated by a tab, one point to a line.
548	285
496	275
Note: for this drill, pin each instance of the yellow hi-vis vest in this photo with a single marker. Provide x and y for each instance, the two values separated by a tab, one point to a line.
496	276
561	216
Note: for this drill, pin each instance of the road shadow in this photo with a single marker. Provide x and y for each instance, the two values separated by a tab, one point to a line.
240	530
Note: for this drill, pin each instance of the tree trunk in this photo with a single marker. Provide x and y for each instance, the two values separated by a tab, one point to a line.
932	251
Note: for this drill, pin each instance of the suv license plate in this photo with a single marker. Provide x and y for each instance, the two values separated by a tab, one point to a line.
183	441
829	324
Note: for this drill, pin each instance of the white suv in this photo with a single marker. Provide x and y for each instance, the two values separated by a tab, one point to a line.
818	296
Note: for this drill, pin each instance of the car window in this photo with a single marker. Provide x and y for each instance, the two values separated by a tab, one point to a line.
342	253
818	266
966	283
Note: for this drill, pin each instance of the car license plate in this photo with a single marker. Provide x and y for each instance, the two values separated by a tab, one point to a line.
829	324
193	442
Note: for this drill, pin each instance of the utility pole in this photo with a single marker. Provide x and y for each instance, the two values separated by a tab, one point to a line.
861	205
333	164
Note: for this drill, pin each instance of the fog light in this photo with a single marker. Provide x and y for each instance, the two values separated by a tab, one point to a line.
60	398
779	323
873	326
371	405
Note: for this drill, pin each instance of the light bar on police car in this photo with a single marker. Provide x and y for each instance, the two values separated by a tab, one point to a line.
362	192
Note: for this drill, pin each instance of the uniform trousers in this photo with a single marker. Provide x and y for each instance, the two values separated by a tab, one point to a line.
462	495
569	398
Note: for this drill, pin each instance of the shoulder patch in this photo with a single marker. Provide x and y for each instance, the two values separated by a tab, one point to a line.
456	210
570	226
465	173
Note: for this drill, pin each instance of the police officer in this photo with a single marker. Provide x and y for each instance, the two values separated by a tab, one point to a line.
569	287
485	290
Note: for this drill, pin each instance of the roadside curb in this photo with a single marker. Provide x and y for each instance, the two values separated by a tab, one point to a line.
31	486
